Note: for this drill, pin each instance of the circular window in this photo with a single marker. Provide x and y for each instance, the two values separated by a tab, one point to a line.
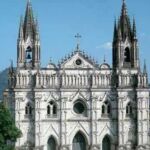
79	108
51	102
78	62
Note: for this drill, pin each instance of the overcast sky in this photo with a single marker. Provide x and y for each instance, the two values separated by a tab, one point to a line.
60	20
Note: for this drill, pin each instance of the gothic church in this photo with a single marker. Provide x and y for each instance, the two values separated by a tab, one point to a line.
79	104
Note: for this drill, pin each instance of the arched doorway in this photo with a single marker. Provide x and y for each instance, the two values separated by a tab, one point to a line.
51	144
79	142
127	56
106	143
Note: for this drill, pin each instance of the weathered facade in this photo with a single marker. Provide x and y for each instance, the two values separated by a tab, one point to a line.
79	104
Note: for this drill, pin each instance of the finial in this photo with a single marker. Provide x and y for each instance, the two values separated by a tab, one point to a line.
124	9
50	60
11	66
145	68
78	36
29	1
72	53
104	59
20	35
11	63
115	30
134	28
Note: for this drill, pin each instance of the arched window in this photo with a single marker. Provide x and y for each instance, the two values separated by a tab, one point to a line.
48	110
80	108
129	109
127	55
106	108
28	54
103	109
106	143
54	110
79	142
28	109
51	144
51	109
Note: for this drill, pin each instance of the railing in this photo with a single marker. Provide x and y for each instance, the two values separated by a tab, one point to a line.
78	81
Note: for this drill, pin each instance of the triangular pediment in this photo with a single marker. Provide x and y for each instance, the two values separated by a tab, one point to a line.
79	60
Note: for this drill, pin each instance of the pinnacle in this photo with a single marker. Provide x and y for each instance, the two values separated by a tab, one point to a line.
124	8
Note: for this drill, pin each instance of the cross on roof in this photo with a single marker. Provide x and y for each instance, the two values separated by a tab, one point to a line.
78	36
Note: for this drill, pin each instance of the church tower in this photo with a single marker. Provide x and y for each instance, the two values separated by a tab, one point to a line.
131	86
28	53
125	48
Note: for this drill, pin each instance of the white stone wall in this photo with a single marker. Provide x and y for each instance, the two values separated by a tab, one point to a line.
92	85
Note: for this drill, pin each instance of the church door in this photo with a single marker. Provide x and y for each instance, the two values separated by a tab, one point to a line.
51	144
79	142
106	144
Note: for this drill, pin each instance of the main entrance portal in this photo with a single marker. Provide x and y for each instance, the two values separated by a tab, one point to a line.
79	142
106	143
51	144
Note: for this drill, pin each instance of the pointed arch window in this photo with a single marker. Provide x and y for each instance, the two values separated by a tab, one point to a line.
103	109
29	54
106	109
51	109
127	56
28	110
129	109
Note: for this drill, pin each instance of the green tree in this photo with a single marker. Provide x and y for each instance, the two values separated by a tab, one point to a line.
8	131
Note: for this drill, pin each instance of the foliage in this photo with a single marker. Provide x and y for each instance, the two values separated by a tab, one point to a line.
3	81
8	131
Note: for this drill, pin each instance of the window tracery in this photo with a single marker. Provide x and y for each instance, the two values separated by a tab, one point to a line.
51	109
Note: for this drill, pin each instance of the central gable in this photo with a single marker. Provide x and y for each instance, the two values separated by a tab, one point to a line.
79	60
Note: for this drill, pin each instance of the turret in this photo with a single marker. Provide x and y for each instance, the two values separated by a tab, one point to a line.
125	48
28	41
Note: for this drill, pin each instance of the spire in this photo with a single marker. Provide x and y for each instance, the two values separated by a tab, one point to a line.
125	22
29	20
119	32
28	51
11	70
115	31
124	8
134	28
20	36
37	37
145	68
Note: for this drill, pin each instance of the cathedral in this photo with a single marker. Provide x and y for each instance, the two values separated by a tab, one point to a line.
79	104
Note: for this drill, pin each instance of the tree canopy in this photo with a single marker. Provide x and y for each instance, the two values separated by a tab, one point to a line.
8	131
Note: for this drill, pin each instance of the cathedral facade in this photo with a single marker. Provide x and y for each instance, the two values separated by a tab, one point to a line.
79	104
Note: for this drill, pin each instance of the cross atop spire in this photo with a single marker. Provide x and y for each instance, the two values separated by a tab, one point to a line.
104	59
78	36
